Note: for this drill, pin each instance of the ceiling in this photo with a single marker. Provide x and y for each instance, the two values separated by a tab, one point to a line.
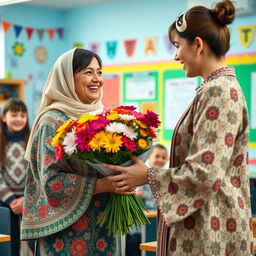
66	4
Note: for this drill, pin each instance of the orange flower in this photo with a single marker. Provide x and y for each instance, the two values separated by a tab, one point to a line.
142	143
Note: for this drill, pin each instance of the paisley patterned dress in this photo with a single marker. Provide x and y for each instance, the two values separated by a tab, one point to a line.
60	209
204	196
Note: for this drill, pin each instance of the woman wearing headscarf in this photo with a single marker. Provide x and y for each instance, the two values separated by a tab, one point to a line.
63	200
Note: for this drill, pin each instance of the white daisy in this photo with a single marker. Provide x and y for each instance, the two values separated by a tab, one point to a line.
129	132
115	127
126	117
69	143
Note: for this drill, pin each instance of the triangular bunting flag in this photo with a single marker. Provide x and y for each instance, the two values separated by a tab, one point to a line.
40	33
246	34
169	46
29	32
17	30
94	47
130	46
111	49
6	25
60	32
150	45
51	33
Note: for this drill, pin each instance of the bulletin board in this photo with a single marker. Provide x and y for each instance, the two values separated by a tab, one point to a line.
246	76
141	90
168	76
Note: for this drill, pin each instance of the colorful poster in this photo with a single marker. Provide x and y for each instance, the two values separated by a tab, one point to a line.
111	91
140	88
178	94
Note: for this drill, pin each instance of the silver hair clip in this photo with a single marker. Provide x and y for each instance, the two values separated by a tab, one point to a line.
181	23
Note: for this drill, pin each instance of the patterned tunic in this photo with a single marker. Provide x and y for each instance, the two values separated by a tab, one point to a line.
59	207
204	197
13	172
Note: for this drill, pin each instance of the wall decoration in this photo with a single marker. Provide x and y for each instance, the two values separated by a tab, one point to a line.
29	30
169	46
40	54
18	49
246	34
150	45
78	44
94	47
130	46
111	49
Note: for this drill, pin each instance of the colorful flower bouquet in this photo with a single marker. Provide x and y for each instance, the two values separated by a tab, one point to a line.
111	137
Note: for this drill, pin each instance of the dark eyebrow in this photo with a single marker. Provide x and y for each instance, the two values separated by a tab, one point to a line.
92	68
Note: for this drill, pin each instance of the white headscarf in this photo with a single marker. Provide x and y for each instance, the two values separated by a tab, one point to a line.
59	93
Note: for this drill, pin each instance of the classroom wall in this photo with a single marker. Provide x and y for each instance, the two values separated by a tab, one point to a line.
26	67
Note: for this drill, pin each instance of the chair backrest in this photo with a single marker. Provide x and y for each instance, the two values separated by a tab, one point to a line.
5	228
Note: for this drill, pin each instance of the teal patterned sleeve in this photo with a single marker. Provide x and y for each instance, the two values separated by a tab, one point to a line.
57	193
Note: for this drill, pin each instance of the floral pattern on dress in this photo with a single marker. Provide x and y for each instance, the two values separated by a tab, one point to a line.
204	197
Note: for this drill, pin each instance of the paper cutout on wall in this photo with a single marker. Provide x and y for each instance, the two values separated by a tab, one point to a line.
246	34
60	32
130	46
51	33
150	45
29	31
40	54
17	30
78	44
169	46
94	47
18	49
40	33
6	25
111	49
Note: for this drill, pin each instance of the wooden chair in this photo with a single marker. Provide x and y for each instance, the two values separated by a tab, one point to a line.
5	229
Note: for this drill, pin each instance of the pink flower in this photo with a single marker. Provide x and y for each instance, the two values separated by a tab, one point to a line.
83	138
151	119
58	153
129	144
99	123
127	107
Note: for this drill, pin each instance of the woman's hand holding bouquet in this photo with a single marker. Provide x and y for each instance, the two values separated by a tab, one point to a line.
111	137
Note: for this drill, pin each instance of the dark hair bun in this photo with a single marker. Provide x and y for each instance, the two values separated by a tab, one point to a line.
224	12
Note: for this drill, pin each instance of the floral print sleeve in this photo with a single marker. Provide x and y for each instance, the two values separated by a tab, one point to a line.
57	193
206	152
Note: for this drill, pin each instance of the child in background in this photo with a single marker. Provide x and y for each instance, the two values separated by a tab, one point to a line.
14	133
157	159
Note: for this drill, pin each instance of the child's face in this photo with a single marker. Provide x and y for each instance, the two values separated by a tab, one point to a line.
15	120
158	158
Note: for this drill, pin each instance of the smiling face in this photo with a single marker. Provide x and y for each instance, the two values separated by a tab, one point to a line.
15	120
186	54
158	158
88	82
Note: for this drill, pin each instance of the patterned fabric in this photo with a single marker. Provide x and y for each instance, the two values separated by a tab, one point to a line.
59	201
204	196
13	171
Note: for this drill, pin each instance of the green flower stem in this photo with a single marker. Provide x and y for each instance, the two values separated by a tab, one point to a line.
122	212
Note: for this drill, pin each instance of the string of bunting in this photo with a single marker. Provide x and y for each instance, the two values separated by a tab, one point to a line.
30	31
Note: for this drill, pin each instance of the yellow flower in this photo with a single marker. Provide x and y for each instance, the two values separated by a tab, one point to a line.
143	133
56	139
64	126
141	124
112	142
98	141
142	143
113	115
85	118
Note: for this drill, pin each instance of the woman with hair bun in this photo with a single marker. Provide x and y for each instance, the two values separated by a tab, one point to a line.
203	198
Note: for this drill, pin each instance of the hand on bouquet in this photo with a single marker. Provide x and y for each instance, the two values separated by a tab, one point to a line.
106	184
130	177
